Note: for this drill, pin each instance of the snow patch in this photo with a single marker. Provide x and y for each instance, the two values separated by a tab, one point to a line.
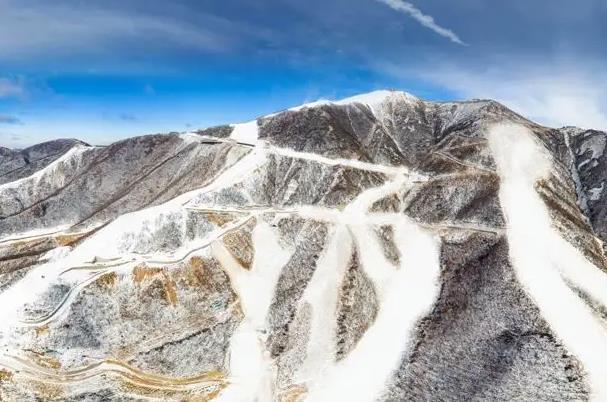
246	133
595	193
190	138
374	100
316	103
596	146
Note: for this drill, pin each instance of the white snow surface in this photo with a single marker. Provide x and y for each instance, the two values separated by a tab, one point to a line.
544	263
108	245
322	295
246	133
33	234
55	254
251	368
595	193
375	100
407	294
53	169
596	146
542	259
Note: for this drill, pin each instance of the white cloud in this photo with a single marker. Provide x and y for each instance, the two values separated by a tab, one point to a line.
52	30
553	96
426	20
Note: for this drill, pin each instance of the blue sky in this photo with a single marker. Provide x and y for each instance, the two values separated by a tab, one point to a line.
101	70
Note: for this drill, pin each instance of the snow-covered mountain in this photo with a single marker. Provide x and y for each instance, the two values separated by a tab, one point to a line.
380	248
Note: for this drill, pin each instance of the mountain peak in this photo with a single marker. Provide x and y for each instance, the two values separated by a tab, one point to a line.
372	99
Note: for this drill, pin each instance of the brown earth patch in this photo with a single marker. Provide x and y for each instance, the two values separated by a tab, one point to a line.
141	273
107	280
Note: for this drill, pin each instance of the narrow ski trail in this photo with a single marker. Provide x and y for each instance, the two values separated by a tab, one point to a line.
543	260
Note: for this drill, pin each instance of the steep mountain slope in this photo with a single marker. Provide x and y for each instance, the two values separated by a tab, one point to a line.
377	248
16	164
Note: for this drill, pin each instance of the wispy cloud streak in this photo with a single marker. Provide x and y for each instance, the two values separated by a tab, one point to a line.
6	119
424	19
38	30
12	88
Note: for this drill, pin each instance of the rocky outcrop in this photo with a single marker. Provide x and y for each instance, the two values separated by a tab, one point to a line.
377	248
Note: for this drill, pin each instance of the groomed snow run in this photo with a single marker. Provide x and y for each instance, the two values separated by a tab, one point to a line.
252	371
262	146
322	295
404	298
540	256
405	293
